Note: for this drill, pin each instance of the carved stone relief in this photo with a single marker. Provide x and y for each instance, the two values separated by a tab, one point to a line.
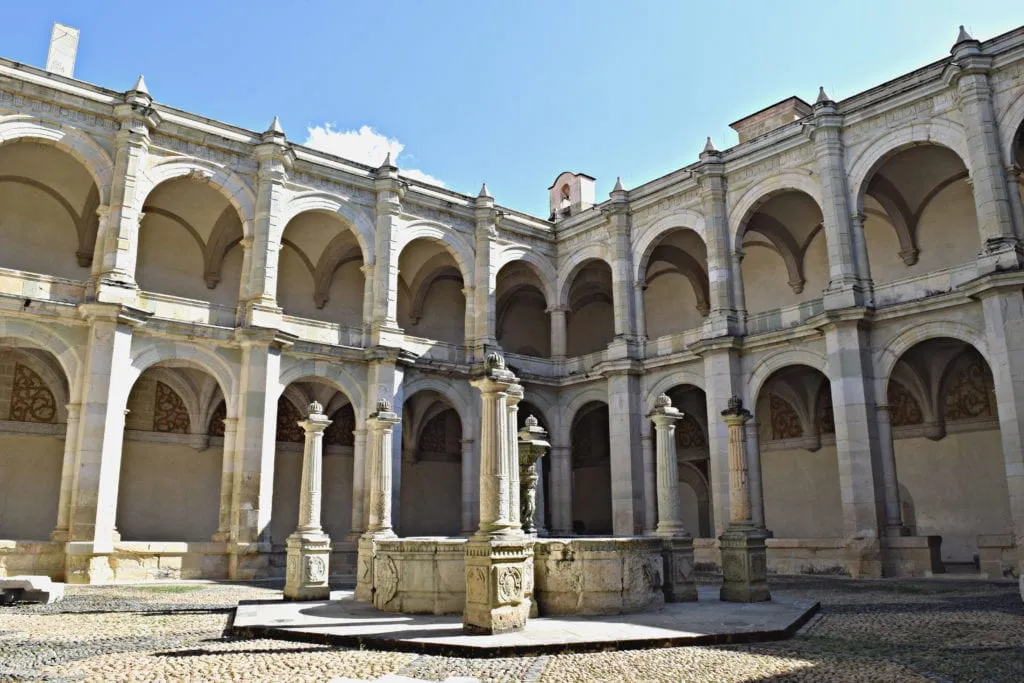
826	416
288	418
968	394
31	399
340	431
785	421
216	424
903	407
689	433
169	412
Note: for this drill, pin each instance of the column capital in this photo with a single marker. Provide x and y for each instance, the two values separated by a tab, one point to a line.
664	414
736	414
315	422
384	417
496	377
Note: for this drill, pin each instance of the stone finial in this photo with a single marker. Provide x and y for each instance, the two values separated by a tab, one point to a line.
822	96
531	421
387	161
709	147
140	85
618	185
663	401
315	408
735	408
275	127
383	406
963	36
494	361
484	194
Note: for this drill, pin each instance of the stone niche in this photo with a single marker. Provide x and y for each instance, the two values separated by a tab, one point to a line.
590	576
420	575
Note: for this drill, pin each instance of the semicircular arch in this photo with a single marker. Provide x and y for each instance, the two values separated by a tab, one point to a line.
651	236
308	369
47	339
567	273
764	190
450	240
353	217
673	379
777	361
230	185
148	352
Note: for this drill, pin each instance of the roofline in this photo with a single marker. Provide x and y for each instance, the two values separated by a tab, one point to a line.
771	106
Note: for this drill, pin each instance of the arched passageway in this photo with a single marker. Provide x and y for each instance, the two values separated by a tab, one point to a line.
320	270
676	284
919	214
590	322
785	256
431	302
190	243
949	457
338	462
431	482
799	462
170	471
48	203
693	457
521	319
591	470
33	423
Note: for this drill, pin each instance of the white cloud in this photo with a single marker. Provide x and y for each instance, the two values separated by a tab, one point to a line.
366	146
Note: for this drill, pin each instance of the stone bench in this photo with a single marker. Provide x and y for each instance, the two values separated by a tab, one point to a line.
30	589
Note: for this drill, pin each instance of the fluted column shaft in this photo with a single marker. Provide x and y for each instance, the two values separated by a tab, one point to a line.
495	477
379	426
515	395
670	521
311	495
739	487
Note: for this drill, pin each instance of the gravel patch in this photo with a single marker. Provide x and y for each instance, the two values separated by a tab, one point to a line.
884	630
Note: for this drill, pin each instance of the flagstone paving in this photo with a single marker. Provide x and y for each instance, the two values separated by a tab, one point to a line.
933	630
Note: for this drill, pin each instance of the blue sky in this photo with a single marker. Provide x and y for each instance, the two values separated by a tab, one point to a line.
510	93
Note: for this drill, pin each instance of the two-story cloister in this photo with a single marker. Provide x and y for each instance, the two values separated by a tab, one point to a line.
175	291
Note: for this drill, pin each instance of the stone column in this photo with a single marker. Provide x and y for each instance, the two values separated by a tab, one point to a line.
379	427
309	548
497	555
561	490
860	249
678	544
722	375
623	299
754	470
61	531
844	285
117	240
389	209
968	77
627	471
515	395
531	447
227	479
360	492
470	477
744	555
558	333
726	309
262	250
891	487
482	326
97	471
650	478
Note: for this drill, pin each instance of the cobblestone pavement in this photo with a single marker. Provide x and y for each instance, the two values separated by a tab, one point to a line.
934	630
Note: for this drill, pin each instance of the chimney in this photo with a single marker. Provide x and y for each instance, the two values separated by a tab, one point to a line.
63	49
776	116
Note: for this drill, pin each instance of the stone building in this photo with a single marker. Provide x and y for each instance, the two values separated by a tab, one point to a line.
174	291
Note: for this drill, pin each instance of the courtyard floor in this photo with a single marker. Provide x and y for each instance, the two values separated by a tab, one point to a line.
928	630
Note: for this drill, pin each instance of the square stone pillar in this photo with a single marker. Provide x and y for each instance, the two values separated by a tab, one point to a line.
497	554
379	427
360	492
744	554
627	467
61	532
560	487
309	548
678	549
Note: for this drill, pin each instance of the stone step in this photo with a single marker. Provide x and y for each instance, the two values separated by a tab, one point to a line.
31	589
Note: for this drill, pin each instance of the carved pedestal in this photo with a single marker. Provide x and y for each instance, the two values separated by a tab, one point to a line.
308	561
496	584
744	564
678	556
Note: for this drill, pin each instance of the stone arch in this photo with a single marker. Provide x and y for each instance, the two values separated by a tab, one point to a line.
76	143
886	358
539	264
683	219
454	243
459	401
353	217
943	133
761	192
47	339
575	263
185	392
148	352
697	481
1011	121
670	380
781	359
294	370
234	189
568	412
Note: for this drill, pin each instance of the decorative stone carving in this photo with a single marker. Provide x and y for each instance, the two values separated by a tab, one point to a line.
215	427
31	399
342	429
532	447
169	412
785	421
968	394
316	569
689	433
386	581
510	584
826	416
288	418
903	407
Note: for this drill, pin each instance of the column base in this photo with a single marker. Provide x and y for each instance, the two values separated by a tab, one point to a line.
496	584
679	585
1000	254
309	557
744	564
83	565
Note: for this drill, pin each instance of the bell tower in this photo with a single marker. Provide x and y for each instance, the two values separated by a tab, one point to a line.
570	194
